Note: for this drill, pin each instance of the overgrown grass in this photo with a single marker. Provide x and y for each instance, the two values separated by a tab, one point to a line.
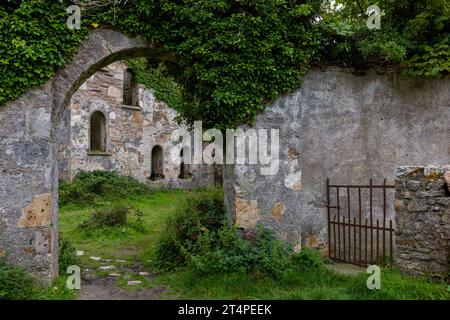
17	284
304	278
88	188
198	217
120	242
309	284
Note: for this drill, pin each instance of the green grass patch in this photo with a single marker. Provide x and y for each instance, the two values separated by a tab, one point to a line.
306	284
304	277
120	242
17	284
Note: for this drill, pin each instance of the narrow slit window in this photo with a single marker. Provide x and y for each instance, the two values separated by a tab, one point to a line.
130	88
98	132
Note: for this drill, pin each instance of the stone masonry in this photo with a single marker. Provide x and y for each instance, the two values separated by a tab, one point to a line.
422	204
29	138
132	131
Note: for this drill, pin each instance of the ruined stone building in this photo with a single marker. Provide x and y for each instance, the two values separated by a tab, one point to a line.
339	128
115	124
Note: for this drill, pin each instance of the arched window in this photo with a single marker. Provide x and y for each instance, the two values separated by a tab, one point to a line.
130	88
184	169
157	164
98	132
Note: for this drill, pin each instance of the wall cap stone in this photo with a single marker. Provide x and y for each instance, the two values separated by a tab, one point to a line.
137	108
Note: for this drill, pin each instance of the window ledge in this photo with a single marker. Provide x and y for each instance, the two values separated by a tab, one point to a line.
98	153
136	108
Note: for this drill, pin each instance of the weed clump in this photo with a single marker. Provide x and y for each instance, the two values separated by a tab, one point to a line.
90	187
201	213
198	238
67	255
16	284
112	217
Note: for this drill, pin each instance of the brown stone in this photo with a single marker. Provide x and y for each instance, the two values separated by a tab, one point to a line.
247	213
137	117
278	210
38	213
314	241
405	242
293	153
398	205
433	176
28	250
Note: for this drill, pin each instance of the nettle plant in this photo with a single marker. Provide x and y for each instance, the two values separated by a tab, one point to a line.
234	56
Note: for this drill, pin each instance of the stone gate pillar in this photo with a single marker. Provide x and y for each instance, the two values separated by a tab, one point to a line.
28	184
422	204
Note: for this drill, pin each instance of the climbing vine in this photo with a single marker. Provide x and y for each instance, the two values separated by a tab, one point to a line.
234	56
34	43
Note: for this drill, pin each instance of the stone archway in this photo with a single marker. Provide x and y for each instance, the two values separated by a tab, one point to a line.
28	153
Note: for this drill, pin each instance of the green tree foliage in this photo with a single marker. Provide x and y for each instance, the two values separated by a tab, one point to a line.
157	76
414	35
34	43
233	56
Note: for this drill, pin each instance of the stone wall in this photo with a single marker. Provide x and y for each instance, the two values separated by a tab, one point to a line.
422	204
131	131
29	137
345	127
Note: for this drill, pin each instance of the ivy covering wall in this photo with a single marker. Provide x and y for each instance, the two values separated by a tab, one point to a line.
234	55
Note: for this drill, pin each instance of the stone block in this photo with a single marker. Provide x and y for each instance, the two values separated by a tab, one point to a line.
247	213
38	213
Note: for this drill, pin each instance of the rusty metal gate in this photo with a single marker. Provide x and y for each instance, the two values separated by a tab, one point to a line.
355	233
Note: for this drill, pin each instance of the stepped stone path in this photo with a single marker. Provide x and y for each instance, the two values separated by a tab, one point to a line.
102	283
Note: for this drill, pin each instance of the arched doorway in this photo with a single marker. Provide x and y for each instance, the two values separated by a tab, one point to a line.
97	132
29	138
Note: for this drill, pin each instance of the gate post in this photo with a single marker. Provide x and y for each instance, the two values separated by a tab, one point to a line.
422	204
28	185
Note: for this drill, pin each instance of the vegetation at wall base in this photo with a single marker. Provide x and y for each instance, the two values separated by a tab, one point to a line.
67	255
18	284
304	278
90	187
199	216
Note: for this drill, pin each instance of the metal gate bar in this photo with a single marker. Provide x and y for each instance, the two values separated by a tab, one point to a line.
352	251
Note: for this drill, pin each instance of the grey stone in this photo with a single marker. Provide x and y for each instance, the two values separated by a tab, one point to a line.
423	224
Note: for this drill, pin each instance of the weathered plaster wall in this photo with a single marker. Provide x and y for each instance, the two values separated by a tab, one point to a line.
131	133
422	203
347	128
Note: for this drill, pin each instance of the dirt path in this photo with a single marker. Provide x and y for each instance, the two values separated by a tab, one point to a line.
103	284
